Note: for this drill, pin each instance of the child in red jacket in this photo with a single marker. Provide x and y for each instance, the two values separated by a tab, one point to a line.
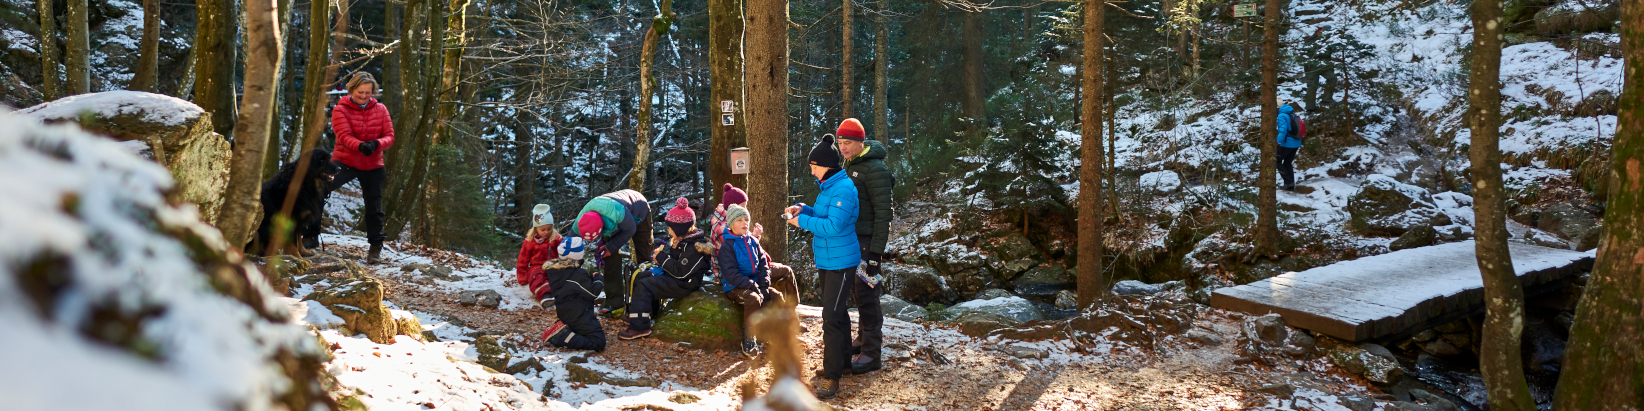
538	248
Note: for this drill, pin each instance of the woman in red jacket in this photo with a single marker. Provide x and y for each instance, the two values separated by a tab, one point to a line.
363	132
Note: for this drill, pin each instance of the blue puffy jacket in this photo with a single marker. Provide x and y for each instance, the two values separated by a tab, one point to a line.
742	263
833	221
1285	140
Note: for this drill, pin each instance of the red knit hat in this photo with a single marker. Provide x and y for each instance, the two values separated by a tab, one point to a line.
733	195
851	129
681	213
590	223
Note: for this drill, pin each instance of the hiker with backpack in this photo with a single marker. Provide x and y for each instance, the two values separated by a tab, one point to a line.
1291	131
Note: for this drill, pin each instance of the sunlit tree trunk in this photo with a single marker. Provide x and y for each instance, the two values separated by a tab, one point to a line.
1090	283
263	53
214	38
881	76
78	58
320	72
50	67
725	67
1267	209
647	89
146	75
847	63
767	82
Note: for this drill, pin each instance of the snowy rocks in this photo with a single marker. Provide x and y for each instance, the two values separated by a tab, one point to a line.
1160	182
177	134
1012	246
359	303
437	272
917	284
979	324
483	298
1371	361
1045	280
1014	307
1133	287
971	280
1386	207
1577	16
901	310
586	375
1067	300
280	270
1570	223
705	320
1265	338
1204	337
1418	236
1024	352
491	354
1139	320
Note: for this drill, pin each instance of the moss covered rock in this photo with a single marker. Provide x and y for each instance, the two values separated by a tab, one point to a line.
491	354
979	324
705	319
359	303
280	271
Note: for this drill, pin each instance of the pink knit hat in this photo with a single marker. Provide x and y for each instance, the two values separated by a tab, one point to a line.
590	223
681	213
733	195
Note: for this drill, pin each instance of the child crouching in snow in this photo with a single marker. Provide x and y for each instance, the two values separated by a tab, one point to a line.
574	291
537	249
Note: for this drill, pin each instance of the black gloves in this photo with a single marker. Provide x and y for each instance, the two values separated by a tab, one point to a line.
368	147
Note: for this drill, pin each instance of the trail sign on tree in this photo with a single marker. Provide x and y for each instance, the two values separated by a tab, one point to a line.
1244	10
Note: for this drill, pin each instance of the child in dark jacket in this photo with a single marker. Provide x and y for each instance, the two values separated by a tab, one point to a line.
681	265
574	291
537	249
745	271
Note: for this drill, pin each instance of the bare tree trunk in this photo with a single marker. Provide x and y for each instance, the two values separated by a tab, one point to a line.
1112	137
401	210
1604	367
647	88
881	76
146	76
975	104
50	68
767	77
847	63
1267	210
320	73
1090	285
450	75
276	128
79	48
391	94
725	67
1499	360
263	53
213	69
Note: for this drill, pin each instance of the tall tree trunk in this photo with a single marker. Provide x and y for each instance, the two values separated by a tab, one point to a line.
50	68
767	77
146	76
1604	367
1267	210
881	76
79	48
847	64
391	94
400	211
725	66
412	59
647	88
1499	360
975	104
451	73
263	53
213	69
1112	131
320	72
1090	284
282	78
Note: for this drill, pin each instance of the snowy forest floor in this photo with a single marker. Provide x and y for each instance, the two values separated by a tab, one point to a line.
981	374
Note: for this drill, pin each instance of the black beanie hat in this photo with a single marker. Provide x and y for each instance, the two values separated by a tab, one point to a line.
826	153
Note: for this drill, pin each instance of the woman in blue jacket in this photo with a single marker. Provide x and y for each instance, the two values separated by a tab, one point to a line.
833	222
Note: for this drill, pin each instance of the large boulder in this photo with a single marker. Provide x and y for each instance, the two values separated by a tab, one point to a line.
917	284
1385	207
359	303
1014	307
1419	236
171	131
901	310
979	324
1371	361
705	320
1012	246
1578	16
1569	222
1045	280
1266	338
971	280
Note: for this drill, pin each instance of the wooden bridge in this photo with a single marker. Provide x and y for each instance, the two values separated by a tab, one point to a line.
1390	296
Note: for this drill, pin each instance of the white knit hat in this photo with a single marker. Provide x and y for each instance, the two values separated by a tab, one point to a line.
541	217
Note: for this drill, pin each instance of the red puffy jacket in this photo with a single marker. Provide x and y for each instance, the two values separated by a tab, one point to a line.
528	269
354	125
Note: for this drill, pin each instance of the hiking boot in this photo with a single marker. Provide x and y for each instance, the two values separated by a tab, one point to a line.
827	388
631	333
863	365
553	330
547	303
375	255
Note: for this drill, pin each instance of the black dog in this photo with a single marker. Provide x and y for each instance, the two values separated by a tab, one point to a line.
308	209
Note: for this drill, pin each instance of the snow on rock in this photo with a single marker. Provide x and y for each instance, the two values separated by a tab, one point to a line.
154	108
104	284
1164	181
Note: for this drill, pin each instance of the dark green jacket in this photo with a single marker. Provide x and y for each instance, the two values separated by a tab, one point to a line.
873	185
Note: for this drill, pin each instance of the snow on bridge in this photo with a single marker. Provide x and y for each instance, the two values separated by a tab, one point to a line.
1394	295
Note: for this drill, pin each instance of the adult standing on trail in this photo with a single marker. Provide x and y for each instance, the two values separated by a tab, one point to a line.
865	161
611	220
1289	142
363	132
1319	65
833	221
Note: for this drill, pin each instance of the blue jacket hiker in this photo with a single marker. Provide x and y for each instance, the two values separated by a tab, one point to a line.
574	291
746	271
1288	145
833	222
1286	118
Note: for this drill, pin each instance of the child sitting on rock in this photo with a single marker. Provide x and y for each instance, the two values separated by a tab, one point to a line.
574	291
537	249
681	264
745	272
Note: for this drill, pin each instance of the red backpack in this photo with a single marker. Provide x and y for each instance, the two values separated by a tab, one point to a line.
1298	127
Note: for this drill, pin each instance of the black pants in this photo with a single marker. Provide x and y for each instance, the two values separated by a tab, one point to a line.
836	321
648	295
616	281
870	334
1287	166
371	188
578	316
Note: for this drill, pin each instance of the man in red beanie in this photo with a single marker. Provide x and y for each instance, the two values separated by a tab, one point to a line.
865	161
612	220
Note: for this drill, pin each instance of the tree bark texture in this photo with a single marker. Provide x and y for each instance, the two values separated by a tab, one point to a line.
451	73
213	69
1499	360
146	76
647	89
410	191
78	58
847	63
1090	285
1267	210
50	66
263	53
881	76
319	73
725	68
767	82
1604	365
